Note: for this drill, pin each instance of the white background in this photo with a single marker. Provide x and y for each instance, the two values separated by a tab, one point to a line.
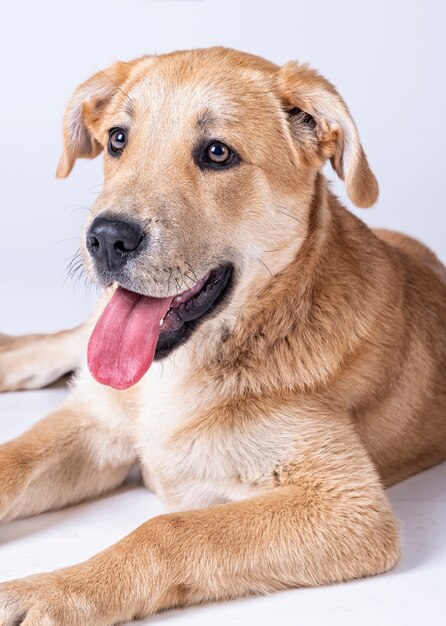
387	59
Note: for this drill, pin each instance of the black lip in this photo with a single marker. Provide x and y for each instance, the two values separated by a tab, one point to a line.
189	315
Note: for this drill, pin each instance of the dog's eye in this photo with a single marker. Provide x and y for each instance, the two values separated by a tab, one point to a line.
117	139
218	153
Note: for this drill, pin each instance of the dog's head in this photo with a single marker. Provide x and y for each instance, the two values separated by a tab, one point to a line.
210	158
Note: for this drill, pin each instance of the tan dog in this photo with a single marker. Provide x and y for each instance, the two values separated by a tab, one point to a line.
306	354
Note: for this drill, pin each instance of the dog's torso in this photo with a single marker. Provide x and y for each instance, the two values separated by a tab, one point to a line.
188	460
208	427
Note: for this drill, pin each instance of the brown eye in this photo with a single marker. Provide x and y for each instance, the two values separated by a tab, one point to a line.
117	140
218	153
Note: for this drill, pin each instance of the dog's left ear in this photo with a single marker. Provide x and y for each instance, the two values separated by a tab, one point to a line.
322	110
84	109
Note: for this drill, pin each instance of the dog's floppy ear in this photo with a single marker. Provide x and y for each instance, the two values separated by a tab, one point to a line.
318	104
85	107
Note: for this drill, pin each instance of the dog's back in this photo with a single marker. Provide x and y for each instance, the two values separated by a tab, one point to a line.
405	428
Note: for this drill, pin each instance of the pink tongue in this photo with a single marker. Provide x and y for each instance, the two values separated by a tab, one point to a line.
123	342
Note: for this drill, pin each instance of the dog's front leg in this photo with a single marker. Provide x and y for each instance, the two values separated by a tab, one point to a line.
69	456
315	528
34	361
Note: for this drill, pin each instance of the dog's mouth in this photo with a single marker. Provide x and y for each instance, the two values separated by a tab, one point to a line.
135	329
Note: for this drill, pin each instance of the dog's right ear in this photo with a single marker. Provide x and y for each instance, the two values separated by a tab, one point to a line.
86	105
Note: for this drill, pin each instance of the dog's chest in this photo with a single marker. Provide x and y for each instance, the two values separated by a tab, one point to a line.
189	463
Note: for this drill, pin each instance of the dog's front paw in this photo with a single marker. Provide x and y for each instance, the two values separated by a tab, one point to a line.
29	362
47	600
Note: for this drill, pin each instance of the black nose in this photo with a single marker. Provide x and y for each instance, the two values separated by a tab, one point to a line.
112	242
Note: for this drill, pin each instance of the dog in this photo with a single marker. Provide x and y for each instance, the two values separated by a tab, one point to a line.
270	362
